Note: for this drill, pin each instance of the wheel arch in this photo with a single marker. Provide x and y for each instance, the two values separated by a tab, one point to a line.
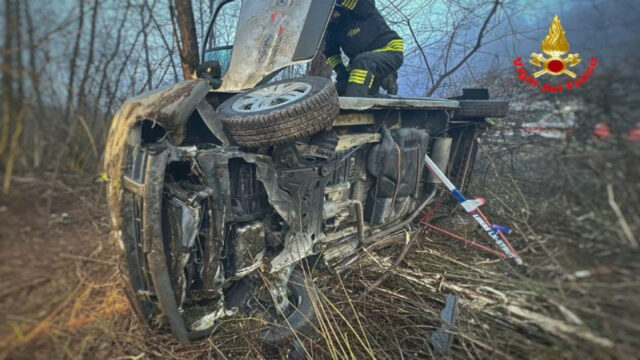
170	108
162	113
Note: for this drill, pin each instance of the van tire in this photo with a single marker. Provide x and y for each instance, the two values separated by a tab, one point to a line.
315	110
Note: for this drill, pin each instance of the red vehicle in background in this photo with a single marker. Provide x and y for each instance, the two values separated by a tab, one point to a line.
634	134
601	131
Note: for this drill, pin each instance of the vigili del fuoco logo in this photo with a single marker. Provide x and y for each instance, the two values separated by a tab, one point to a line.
555	46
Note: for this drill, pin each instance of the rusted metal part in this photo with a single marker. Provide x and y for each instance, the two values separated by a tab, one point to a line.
347	141
248	248
344	249
215	163
359	209
355	118
285	186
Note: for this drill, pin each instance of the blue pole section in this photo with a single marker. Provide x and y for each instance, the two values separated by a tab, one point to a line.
470	206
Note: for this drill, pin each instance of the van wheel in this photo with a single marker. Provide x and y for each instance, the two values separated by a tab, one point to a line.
280	112
297	321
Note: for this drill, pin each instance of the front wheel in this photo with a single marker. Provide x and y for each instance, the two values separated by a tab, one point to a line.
297	320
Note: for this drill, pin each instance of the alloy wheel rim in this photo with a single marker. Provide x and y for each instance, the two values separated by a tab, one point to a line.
271	97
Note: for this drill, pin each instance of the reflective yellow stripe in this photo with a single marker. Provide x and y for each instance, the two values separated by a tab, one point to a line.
349	4
359	76
371	81
356	79
359	72
334	60
393	45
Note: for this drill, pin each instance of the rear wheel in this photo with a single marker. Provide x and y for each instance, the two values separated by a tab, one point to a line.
280	112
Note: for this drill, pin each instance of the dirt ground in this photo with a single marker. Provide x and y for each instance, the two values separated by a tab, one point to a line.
61	296
57	270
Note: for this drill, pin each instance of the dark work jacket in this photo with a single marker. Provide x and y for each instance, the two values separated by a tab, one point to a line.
359	30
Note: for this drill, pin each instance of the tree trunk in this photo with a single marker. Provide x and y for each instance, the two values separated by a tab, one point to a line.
72	64
35	74
87	69
69	112
148	85
18	100
7	80
188	36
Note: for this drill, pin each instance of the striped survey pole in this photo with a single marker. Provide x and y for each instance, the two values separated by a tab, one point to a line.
472	206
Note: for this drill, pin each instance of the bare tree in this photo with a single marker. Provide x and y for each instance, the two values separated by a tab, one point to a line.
441	32
16	94
469	53
7	80
168	46
35	75
189	39
11	59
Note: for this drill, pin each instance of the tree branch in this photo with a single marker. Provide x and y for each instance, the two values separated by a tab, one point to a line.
475	48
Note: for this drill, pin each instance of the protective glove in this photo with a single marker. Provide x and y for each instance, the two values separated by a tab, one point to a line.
390	83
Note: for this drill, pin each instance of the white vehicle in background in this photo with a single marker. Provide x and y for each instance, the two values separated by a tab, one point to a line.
557	124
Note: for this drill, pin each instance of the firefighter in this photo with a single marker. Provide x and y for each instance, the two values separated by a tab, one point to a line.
375	51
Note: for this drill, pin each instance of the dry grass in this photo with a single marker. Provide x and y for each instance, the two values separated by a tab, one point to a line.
579	298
